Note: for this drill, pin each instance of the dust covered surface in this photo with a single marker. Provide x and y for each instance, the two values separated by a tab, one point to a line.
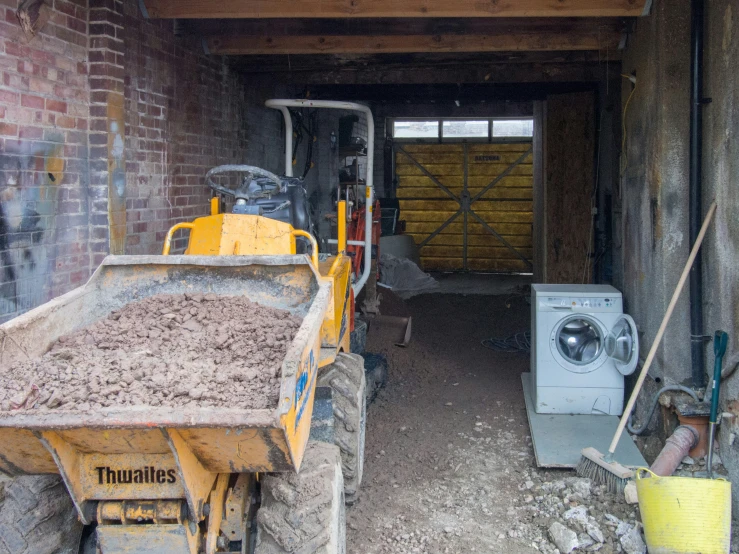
195	350
449	464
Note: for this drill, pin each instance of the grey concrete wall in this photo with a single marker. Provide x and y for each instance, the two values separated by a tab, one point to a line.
654	189
654	182
721	181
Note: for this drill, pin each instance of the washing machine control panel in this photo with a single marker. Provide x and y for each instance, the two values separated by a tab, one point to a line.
579	304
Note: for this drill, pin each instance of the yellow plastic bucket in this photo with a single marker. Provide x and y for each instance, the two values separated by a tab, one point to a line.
684	515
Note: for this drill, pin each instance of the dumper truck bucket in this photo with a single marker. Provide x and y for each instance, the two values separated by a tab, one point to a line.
154	452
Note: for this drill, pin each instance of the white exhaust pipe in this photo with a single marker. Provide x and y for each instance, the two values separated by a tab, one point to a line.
283	106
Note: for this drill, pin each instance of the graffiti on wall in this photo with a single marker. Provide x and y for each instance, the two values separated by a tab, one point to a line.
29	182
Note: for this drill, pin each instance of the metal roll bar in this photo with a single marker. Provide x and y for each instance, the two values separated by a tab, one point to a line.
283	105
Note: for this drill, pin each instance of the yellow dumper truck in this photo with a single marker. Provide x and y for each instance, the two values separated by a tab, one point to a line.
221	478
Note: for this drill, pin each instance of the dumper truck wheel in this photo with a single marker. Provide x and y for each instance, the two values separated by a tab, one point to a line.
37	516
304	513
376	374
347	380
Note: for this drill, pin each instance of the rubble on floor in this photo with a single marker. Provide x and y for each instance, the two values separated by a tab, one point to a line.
573	514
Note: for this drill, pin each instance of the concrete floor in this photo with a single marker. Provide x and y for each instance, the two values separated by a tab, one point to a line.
447	439
481	283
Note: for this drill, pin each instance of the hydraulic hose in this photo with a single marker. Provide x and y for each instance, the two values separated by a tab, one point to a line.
655	400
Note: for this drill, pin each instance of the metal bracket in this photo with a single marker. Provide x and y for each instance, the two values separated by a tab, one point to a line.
322	422
197	480
235	522
68	461
215	512
153	539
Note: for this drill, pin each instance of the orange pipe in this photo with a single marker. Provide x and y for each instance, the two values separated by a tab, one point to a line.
313	242
342	227
676	448
168	239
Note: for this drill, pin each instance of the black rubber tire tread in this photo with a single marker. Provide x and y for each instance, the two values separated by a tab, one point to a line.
359	337
37	516
299	512
376	372
347	379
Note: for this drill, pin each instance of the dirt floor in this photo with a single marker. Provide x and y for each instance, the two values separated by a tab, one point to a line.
449	463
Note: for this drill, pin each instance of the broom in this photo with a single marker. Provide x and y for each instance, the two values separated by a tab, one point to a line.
604	469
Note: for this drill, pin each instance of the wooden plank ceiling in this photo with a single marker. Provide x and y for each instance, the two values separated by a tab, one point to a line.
325	34
258	9
390	36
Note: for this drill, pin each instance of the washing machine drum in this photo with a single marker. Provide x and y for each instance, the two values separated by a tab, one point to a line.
580	341
583	345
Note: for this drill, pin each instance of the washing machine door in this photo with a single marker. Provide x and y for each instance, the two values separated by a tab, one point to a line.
622	345
578	343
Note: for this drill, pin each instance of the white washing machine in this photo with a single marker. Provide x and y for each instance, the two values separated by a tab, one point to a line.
582	346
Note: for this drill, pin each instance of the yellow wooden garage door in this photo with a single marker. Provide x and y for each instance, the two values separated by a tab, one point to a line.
469	206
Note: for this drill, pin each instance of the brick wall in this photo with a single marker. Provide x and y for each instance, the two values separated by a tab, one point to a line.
108	123
44	96
185	113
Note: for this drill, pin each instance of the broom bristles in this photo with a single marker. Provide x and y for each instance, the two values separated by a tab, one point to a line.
611	474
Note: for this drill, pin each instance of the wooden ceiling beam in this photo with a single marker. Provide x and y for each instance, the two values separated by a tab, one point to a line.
439	60
258	9
292	74
402	26
403	44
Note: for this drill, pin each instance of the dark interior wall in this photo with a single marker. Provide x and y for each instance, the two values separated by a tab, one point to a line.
652	206
654	196
108	123
721	182
569	169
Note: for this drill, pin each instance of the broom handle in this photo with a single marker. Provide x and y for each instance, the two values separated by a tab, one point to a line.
662	327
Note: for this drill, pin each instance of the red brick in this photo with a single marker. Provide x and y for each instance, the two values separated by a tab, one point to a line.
29	101
66	122
79	277
16	49
24	66
56	106
77	25
31	133
8	97
8	129
45	58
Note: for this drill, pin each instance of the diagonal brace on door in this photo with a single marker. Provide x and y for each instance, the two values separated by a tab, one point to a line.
439	230
427	174
465	202
503	175
442	187
501	239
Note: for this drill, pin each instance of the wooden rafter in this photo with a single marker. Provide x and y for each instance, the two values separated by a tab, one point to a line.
395	44
257	9
291	70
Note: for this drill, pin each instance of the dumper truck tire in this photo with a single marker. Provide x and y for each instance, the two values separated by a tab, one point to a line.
376	374
37	516
304	512
347	380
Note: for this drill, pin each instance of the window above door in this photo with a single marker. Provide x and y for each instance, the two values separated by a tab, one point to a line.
462	130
